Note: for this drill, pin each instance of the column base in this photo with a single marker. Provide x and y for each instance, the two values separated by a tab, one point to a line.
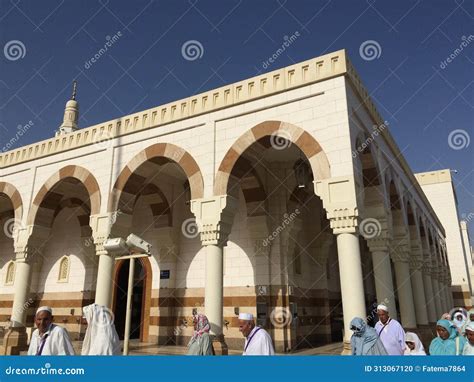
219	345
14	341
346	349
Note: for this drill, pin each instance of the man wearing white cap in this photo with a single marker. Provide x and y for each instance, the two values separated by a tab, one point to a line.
257	340
48	338
390	332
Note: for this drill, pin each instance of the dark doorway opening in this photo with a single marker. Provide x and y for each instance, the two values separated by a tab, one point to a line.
120	302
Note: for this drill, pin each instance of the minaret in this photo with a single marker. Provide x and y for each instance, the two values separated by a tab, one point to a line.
71	114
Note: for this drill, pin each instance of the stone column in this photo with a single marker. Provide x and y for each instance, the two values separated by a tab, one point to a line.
22	289
436	292
430	300
446	288
15	339
340	200
416	262
214	218
101	226
400	256
105	274
450	293
352	284
379	248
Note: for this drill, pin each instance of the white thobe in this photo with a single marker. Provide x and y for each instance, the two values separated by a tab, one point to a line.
392	336
258	342
57	342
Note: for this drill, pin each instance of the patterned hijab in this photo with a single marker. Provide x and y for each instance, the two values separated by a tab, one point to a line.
201	325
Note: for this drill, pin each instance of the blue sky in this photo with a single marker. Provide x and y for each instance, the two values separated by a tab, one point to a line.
422	101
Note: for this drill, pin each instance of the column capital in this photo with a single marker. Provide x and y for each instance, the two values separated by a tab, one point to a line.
340	202
28	240
416	258
214	218
400	254
435	273
426	267
416	263
380	242
343	220
400	248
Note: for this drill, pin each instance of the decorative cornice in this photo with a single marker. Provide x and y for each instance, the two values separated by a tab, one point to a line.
291	77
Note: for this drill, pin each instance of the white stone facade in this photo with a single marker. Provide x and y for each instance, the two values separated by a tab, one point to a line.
439	188
274	239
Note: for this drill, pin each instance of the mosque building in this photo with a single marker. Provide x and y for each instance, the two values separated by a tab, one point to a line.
283	195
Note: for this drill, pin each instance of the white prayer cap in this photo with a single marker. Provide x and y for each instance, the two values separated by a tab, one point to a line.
44	308
470	327
382	307
246	316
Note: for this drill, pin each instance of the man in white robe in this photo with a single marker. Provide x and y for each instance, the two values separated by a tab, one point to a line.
390	332
48	338
257	340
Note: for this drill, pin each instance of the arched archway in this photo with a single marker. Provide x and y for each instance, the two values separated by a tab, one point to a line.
8	191
131	178
60	215
150	198
264	166
11	214
55	188
264	135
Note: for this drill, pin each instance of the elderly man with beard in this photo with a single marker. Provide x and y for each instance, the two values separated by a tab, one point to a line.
390	332
257	340
49	338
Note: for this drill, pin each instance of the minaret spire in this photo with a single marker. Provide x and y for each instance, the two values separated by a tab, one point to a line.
74	90
71	114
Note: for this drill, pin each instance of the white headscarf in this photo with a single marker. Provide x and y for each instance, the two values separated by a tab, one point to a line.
419	349
101	337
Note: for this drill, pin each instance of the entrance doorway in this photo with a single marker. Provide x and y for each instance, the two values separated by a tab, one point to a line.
138	297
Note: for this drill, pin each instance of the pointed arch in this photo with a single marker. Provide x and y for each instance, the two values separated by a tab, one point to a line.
129	182
50	194
277	131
